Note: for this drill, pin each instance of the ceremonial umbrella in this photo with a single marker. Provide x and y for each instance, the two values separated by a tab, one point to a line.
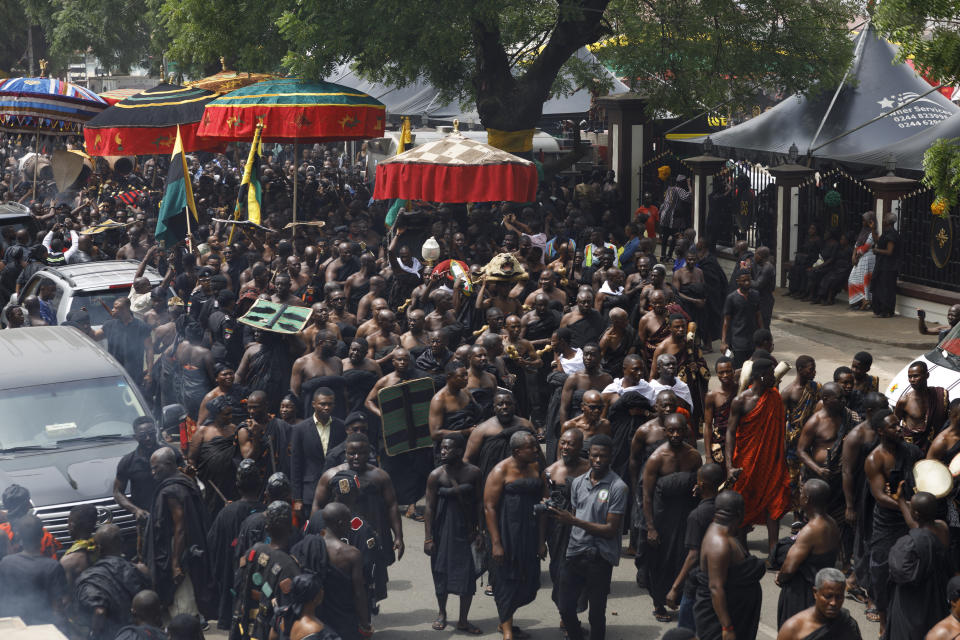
293	110
456	169
146	123
116	95
46	105
227	80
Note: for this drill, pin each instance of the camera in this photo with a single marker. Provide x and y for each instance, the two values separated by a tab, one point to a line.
556	501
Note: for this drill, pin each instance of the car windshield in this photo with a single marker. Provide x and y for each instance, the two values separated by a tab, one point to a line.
90	300
51	415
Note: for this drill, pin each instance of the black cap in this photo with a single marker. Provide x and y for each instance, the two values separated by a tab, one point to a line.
205	272
355	416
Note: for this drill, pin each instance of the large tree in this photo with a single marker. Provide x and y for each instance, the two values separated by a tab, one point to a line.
927	31
687	55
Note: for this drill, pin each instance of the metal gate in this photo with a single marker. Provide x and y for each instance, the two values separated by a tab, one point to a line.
836	204
916	222
742	205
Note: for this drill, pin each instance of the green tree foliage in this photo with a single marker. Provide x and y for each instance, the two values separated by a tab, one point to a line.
926	30
929	32
687	55
505	56
117	32
244	32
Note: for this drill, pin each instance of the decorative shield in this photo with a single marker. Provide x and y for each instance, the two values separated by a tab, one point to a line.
941	240
276	317
405	410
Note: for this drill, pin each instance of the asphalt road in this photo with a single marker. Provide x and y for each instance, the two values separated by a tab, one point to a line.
411	607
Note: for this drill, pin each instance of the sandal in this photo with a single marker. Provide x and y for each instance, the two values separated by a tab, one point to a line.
872	614
439	624
857	594
488	591
469	629
663	616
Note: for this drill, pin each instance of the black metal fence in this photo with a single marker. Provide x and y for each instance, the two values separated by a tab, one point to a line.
742	205
916	234
835	203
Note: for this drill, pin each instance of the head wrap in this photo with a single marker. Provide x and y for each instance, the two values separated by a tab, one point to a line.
218	405
16	500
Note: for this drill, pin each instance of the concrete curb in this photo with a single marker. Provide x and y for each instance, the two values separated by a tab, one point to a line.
922	345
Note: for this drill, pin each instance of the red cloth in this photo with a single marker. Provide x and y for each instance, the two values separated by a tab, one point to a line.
759	451
49	546
653	218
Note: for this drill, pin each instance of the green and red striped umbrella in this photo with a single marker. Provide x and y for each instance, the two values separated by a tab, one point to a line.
294	110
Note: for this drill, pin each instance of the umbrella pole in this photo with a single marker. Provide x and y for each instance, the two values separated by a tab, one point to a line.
189	234
36	158
296	175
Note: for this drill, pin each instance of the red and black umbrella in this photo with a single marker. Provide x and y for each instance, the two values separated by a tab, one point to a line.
146	123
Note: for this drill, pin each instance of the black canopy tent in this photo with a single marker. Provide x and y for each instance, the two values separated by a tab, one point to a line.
907	153
874	85
422	99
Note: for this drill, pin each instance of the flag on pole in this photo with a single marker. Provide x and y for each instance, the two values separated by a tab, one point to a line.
172	221
404	139
250	191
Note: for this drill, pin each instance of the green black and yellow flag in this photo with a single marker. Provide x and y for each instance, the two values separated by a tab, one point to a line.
172	223
250	193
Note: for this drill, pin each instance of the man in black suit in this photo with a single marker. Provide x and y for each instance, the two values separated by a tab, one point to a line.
311	440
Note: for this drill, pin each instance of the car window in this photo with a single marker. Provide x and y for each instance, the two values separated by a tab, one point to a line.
57	299
32	285
94	301
48	414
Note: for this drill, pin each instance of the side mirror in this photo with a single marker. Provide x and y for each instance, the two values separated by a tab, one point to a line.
173	423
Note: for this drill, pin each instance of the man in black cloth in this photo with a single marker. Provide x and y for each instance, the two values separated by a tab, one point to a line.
585	322
728	583
128	339
452	523
147	613
310	441
265	438
176	540
599	500
815	547
560	475
222	536
919	570
764	282
265	575
826	619
489	442
409	470
133	470
741	317
669	477
709	478
105	591
32	585
889	252
356	422
516	533
254	527
368	491
346	607
886	467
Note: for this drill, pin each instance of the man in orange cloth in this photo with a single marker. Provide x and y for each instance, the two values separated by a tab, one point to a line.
755	445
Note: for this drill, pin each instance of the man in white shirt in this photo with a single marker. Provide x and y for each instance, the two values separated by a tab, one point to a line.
667	379
632	380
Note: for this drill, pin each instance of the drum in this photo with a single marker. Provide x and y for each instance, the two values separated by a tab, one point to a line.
955	466
933	477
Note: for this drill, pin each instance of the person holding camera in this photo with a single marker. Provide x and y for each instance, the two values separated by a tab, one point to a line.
598	499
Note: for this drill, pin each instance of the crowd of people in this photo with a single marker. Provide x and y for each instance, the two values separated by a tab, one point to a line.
570	389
